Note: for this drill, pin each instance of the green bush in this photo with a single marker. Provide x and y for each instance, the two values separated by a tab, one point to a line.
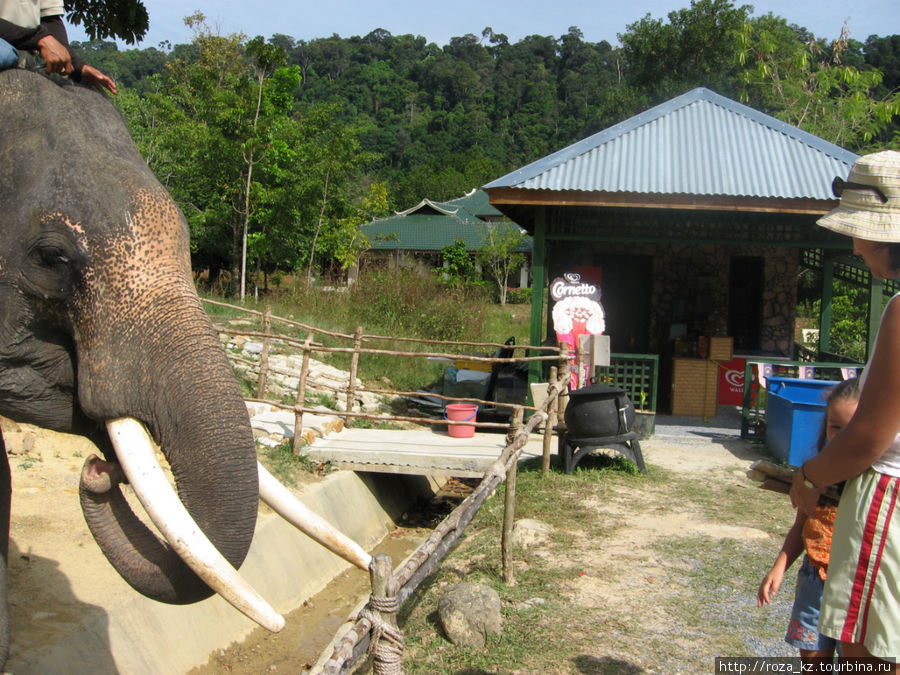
405	303
518	296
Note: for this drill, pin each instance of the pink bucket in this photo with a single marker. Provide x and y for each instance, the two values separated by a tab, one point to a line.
461	412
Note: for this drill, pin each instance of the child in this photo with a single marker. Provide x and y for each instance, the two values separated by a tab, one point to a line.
813	535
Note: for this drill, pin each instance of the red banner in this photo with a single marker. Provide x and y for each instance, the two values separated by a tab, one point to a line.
731	381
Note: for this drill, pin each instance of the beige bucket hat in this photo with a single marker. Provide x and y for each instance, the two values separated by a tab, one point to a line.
870	199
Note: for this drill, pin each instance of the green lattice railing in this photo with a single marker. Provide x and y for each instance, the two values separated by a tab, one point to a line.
637	374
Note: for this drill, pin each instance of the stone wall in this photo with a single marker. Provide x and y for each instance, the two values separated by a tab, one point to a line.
691	282
323	384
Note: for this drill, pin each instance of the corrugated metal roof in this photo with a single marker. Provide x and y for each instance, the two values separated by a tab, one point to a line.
699	143
476	202
430	226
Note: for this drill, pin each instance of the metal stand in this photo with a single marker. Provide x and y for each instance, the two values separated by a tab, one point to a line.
627	444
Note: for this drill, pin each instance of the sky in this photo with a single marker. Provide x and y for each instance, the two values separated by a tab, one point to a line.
439	21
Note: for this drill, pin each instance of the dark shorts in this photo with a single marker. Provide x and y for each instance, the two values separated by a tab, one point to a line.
803	630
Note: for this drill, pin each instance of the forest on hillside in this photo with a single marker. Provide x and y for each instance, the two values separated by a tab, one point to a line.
282	148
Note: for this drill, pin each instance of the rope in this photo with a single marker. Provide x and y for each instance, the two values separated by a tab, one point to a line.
386	642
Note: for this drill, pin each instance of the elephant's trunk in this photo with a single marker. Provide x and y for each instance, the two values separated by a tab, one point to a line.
178	382
148	563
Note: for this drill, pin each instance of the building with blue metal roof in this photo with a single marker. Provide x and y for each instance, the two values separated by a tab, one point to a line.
693	216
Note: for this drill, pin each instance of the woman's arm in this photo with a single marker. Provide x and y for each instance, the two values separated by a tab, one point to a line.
873	427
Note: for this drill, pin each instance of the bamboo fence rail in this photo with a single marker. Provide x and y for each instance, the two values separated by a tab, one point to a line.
308	346
375	630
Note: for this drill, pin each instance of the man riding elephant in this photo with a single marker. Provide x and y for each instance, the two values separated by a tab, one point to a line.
37	25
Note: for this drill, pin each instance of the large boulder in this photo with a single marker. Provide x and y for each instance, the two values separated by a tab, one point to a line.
470	613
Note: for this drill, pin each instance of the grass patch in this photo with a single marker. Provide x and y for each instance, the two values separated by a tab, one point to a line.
281	463
635	576
388	304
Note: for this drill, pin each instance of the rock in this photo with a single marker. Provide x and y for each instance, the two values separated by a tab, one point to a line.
470	613
531	603
528	532
253	347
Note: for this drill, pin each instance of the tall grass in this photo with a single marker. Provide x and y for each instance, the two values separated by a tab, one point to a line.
396	303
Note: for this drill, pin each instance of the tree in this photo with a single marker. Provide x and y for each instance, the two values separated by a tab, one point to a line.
697	47
332	156
498	254
125	19
807	84
458	267
346	241
265	58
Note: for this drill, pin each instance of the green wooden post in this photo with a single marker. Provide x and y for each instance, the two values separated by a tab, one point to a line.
876	306
538	254
827	291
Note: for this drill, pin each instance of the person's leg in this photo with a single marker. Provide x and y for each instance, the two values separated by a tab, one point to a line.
9	57
817	660
857	650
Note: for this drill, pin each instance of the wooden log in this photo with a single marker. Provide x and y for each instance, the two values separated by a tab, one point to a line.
548	426
509	506
388	656
354	365
778	478
301	398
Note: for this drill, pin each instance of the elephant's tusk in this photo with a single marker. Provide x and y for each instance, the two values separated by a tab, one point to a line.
310	523
138	461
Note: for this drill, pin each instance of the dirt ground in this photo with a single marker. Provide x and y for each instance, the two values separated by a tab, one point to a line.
49	540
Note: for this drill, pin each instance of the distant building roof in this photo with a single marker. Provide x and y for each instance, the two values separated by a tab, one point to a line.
431	226
699	143
478	203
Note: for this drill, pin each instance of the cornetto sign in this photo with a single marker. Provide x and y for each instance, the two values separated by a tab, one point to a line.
577	309
576	312
570	285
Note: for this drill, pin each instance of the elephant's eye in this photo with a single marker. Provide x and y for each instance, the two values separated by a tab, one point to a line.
53	256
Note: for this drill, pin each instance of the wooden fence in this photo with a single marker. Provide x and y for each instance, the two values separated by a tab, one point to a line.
359	345
375	630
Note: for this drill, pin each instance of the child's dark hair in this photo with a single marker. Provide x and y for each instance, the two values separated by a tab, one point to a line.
847	390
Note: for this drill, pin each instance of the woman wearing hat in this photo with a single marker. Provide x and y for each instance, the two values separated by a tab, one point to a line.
861	604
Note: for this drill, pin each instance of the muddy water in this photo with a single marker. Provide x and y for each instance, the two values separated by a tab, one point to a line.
310	628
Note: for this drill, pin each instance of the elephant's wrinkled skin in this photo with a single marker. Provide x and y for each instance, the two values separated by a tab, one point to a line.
99	319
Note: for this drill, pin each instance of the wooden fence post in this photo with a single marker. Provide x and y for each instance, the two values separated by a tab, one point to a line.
354	366
387	640
509	504
264	356
301	397
548	426
564	392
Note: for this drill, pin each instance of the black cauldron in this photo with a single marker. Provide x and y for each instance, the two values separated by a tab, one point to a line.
598	411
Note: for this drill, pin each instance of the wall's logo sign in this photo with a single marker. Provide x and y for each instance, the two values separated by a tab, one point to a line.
570	285
735	378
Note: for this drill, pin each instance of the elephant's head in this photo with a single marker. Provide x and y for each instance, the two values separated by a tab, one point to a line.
99	320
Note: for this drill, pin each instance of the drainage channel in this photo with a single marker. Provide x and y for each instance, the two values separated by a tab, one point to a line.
310	627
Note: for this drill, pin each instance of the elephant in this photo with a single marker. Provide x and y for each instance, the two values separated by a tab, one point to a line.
102	334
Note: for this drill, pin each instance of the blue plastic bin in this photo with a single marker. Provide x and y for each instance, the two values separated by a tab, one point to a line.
795	412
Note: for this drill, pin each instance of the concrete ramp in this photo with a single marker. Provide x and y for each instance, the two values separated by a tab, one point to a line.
415	451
